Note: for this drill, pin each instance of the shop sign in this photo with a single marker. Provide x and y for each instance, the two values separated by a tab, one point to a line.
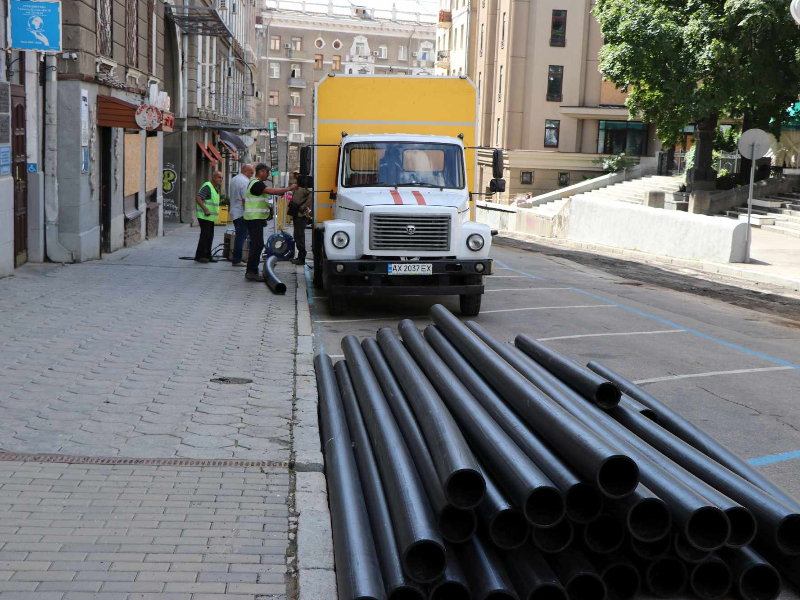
34	25
148	117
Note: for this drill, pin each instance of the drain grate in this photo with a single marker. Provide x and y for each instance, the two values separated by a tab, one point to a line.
155	462
233	380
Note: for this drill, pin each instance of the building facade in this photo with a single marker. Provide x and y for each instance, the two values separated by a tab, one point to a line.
543	99
302	46
456	30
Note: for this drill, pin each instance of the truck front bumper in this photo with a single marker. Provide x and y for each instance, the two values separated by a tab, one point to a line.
370	277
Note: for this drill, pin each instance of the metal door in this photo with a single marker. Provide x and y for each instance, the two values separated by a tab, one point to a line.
19	169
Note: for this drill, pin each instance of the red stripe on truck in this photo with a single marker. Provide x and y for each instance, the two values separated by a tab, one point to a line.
396	197
418	196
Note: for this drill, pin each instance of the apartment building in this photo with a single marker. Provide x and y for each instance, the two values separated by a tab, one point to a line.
305	42
543	99
456	29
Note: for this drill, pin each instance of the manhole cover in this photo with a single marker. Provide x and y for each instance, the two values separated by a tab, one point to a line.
238	380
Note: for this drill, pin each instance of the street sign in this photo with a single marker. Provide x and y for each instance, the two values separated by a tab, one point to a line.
273	149
794	8
35	25
5	160
753	144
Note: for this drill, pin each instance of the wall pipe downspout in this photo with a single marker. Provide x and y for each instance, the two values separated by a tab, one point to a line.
185	154
54	250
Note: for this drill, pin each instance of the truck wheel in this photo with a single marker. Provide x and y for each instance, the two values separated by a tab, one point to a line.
337	303
470	304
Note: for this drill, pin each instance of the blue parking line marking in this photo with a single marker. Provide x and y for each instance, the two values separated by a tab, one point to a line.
506	267
774	458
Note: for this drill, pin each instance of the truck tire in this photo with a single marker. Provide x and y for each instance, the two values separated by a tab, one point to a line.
470	304
338	304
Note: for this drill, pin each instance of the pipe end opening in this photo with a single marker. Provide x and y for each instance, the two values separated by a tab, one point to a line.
457	524
465	488
545	507
586	586
424	561
450	590
583	502
666	577
509	530
618	476
407	592
760	582
607	395
553	539
622	581
788	535
708	528
650	550
687	552
604	535
548	591
743	527
711	580
649	520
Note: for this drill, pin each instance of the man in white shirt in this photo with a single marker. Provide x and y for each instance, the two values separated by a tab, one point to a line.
236	192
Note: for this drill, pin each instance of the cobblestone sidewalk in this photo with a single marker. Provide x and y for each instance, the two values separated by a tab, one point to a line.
116	358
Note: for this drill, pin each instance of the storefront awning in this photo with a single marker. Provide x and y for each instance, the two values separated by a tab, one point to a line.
232	141
215	152
205	151
199	20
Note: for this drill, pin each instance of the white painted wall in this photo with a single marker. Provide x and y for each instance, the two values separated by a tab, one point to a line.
6	226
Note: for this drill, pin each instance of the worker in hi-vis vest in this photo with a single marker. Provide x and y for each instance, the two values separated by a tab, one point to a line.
207	216
257	211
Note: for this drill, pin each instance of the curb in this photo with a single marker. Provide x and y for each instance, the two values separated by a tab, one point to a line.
727	270
316	578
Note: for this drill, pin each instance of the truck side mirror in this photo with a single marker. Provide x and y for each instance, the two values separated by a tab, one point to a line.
497	186
498	166
306	179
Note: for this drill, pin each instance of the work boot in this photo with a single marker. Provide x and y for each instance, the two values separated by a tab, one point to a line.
254	276
201	260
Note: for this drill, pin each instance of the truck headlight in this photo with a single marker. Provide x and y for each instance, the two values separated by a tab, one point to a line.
340	240
475	242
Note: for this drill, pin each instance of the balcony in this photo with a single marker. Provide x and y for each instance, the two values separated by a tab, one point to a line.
422	64
445	19
295	111
292	53
295	137
359	58
443	59
296	82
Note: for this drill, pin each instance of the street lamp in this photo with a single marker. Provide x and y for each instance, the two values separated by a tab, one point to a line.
794	8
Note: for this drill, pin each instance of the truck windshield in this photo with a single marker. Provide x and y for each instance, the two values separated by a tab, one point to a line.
398	164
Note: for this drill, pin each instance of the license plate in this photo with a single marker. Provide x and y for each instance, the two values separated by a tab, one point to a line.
411	268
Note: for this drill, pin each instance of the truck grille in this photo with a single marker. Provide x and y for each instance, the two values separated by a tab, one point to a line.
400	232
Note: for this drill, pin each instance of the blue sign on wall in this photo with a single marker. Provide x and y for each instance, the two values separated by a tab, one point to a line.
5	160
35	25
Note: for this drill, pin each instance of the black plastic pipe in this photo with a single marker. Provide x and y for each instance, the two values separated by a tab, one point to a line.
711	579
703	523
452	585
753	577
358	574
582	500
650	550
604	535
665	577
527	487
422	552
532	576
646	516
778	524
598	461
577	575
638	407
275	284
457	468
591	386
553	539
686	552
503	524
398	585
455	524
689	433
621	577
487	576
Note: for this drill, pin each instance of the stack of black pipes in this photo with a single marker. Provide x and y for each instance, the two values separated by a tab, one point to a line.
460	467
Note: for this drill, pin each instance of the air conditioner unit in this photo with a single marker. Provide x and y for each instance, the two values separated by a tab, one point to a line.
287	46
295	138
414	54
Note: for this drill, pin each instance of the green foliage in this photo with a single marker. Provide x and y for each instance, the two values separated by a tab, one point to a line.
612	164
682	61
727	140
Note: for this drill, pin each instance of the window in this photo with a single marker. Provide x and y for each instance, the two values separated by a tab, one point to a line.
319	43
360	48
337	44
497	133
296	71
402	53
551	129
526	177
563	179
274	98
337	62
294	97
558	28
318	61
616	137
275	42
297	43
294	125
383	51
462	37
481	47
274	70
132	33
480	79
503	33
105	24
426	51
555	80
500	86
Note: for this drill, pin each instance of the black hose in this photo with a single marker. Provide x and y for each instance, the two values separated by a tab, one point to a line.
455	524
646	516
686	552
553	539
665	577
503	524
532	576
604	535
621	577
650	550
753	577
710	579
398	586
626	400
577	575
275	284
422	552
452	584
488	579
358	574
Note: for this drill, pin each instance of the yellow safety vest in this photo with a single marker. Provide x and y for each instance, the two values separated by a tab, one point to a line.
212	204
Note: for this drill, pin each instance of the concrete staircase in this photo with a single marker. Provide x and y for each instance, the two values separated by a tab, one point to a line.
779	213
629	191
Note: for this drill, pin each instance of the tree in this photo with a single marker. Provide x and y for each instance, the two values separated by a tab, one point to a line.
693	61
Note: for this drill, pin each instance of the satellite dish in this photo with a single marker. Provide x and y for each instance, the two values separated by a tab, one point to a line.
248	141
794	8
754	143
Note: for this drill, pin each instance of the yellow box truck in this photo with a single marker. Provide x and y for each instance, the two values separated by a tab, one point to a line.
393	166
